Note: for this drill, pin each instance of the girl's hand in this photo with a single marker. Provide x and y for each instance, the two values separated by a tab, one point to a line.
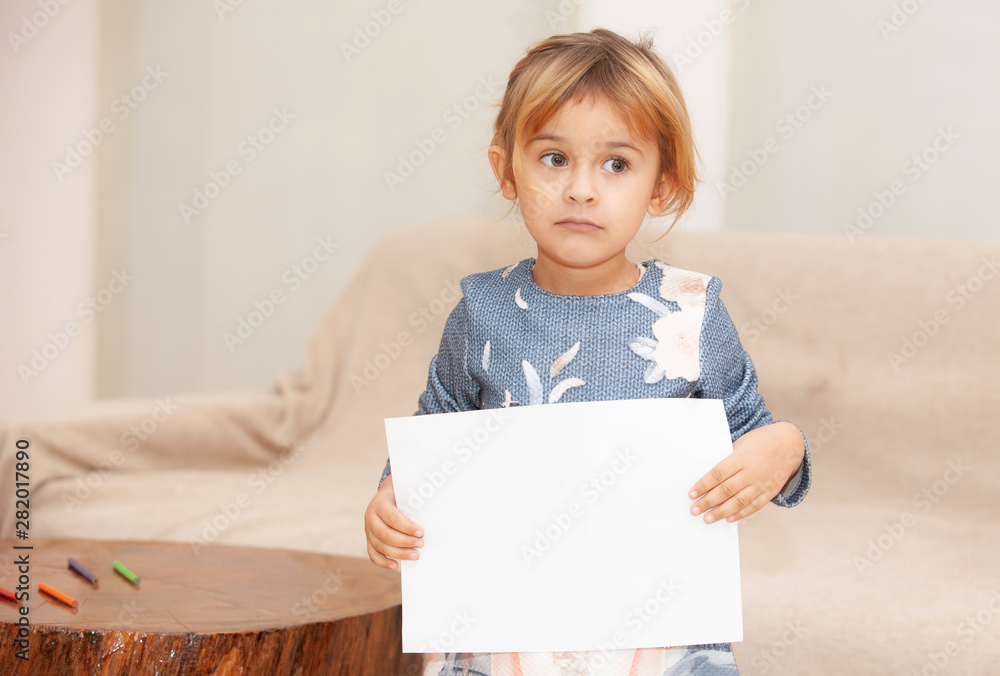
390	534
762	461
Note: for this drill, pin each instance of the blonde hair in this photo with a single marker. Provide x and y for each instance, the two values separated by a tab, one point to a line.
601	63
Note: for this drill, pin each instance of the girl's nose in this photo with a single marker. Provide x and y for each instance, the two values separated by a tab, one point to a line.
581	188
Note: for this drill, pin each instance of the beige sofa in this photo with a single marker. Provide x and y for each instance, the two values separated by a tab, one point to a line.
885	352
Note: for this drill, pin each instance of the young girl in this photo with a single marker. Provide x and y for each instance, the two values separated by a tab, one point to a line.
593	134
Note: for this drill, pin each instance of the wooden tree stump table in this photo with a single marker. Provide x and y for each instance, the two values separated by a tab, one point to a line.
219	610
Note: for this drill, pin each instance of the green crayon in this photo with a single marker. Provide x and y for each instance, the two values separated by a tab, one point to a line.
125	572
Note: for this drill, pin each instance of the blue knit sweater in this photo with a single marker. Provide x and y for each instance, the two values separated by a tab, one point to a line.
509	342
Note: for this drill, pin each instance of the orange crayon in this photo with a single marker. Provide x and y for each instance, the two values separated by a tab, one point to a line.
52	591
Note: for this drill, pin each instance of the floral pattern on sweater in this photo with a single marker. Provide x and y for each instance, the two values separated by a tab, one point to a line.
675	350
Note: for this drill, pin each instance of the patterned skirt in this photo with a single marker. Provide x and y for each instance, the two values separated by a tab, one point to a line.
702	660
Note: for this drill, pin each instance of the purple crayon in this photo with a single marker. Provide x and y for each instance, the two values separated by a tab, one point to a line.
83	572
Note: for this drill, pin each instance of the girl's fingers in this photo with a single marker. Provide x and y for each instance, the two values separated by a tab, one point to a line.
737	503
753	507
379	560
384	546
390	534
383	555
386	509
395	519
719	494
725	469
395	552
390	537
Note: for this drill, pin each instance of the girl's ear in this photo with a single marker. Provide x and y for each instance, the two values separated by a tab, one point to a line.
507	186
663	191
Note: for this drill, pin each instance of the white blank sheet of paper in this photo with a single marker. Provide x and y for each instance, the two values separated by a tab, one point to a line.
564	527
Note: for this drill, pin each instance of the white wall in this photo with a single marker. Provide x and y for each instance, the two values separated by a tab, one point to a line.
891	90
323	175
48	75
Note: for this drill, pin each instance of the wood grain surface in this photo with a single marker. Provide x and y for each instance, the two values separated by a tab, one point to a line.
202	610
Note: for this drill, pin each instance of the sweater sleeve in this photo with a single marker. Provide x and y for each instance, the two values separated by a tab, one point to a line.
797	487
727	373
449	388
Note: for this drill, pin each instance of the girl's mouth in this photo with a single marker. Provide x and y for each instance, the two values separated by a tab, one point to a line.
579	224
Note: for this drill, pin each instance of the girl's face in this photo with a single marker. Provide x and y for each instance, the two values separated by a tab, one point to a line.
597	183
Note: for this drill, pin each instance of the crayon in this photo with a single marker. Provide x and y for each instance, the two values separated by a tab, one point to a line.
83	572
125	572
68	600
8	594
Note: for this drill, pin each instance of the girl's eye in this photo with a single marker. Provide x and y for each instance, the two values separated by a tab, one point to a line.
554	159
616	165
